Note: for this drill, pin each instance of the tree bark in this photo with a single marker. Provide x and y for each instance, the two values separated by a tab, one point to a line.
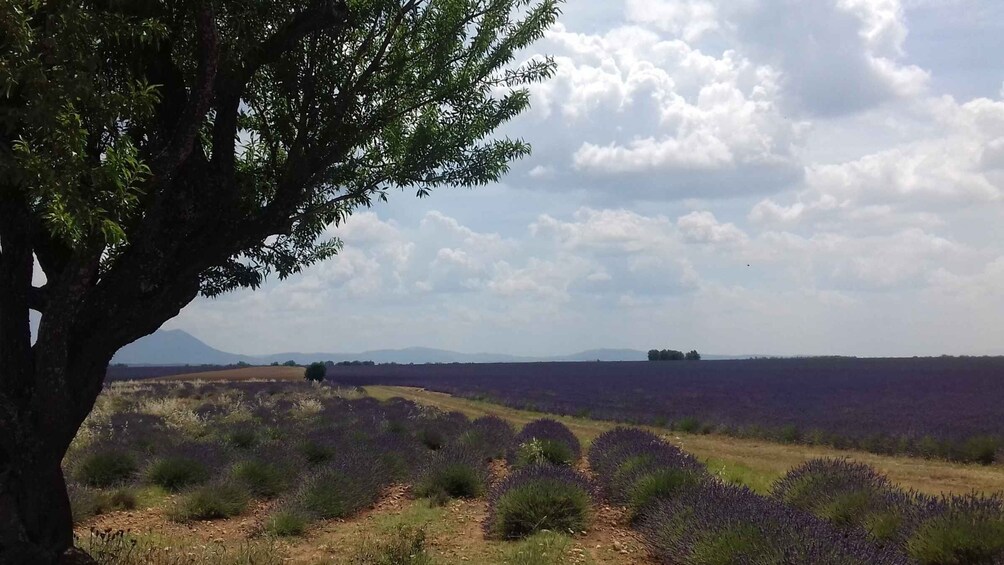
35	521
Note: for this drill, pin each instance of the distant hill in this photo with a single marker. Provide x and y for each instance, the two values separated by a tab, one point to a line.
177	347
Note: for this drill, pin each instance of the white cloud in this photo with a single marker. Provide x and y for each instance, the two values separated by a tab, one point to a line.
699	167
606	230
635	102
835	56
703	227
689	19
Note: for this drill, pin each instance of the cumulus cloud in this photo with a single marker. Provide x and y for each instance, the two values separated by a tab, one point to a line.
703	227
637	105
699	167
836	56
956	165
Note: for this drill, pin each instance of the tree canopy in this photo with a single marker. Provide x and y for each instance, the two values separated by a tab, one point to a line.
152	150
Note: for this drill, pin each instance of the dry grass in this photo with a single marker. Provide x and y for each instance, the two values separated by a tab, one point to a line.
753	462
281	373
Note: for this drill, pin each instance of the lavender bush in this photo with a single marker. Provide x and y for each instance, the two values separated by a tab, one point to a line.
545	441
935	530
718	523
536	498
621	456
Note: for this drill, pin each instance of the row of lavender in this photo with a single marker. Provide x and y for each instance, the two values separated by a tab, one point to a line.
936	407
221	446
316	454
824	512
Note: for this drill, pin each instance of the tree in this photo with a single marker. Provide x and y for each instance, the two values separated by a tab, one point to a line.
670	355
289	363
153	150
693	355
315	372
653	354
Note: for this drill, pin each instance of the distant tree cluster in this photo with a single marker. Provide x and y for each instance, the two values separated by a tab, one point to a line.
673	355
355	363
315	372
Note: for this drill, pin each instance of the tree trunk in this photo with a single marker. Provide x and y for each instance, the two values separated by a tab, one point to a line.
35	521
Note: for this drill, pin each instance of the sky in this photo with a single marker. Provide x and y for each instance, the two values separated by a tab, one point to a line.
733	176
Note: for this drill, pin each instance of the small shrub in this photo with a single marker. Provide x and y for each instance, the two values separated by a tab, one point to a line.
432	437
457	479
316	452
287	523
120	499
243	438
84	502
656	485
740	544
491	435
790	434
406	546
259	478
980	449
883	525
950	540
689	425
969	532
846	508
105	468
538	498
315	372
211	502
175	473
539	451
542	548
339	493
544	441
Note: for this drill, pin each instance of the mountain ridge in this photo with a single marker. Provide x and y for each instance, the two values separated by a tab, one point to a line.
178	347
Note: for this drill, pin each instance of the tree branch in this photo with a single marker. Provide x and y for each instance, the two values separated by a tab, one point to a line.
200	98
230	86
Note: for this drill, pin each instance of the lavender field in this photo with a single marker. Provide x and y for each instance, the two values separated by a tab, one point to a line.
936	407
294	461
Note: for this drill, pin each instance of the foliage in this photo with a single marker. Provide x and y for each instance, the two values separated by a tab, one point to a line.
105	468
542	497
959	537
151	152
86	502
456	472
175	473
491	435
210	502
658	484
717	523
259	477
933	530
117	547
406	546
243	437
543	451
315	372
621	456
542	548
336	493
287	523
545	440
